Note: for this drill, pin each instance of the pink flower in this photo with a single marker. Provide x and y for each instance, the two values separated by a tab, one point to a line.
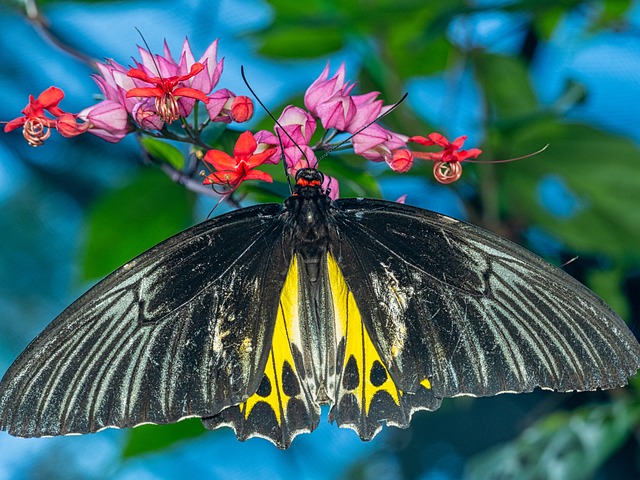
329	100
173	87
108	120
299	126
225	106
232	171
166	91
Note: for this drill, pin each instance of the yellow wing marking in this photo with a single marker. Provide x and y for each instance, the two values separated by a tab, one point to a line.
272	389
372	374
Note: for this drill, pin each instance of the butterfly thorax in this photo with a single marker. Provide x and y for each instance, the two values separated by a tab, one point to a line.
309	214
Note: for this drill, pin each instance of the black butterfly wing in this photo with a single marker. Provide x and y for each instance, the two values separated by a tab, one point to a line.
182	330
471	312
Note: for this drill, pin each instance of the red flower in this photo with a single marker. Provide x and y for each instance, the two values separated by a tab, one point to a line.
447	168
232	171
166	91
241	109
450	150
36	125
401	160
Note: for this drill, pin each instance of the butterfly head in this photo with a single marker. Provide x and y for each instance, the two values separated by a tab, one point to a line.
308	182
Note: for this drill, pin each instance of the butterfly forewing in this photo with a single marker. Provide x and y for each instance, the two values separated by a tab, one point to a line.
182	330
474	313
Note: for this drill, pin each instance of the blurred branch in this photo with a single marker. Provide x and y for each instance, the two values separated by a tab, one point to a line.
42	26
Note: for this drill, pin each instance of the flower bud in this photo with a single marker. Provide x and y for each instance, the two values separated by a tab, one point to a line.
241	109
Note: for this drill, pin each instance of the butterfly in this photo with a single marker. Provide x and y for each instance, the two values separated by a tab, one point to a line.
256	318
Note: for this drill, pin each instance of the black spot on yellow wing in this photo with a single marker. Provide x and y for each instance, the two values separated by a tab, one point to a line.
351	374
264	390
281	407
366	393
290	381
378	374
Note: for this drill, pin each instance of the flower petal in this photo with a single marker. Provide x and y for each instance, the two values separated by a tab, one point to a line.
245	146
220	160
51	97
258	159
258	175
145	92
191	93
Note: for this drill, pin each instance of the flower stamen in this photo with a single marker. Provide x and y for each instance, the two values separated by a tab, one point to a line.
35	132
167	107
447	172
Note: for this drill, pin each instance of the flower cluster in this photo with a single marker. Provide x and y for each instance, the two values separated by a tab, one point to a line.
159	90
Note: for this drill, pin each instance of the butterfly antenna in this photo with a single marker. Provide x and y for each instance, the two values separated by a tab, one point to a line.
153	58
264	107
284	162
393	107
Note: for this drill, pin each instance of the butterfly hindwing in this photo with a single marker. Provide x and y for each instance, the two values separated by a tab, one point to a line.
366	395
283	405
471	312
182	330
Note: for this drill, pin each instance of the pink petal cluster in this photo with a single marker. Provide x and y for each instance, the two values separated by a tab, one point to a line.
330	100
293	134
160	80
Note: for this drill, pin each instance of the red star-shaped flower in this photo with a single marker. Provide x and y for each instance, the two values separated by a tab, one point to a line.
232	171
447	168
450	150
36	124
166	91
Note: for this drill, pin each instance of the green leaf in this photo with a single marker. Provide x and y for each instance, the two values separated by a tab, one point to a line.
567	446
127	221
601	170
163	151
301	41
350	171
157	438
614	11
606	283
506	85
416	46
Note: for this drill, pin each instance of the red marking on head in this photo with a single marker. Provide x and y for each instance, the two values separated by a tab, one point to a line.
303	182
